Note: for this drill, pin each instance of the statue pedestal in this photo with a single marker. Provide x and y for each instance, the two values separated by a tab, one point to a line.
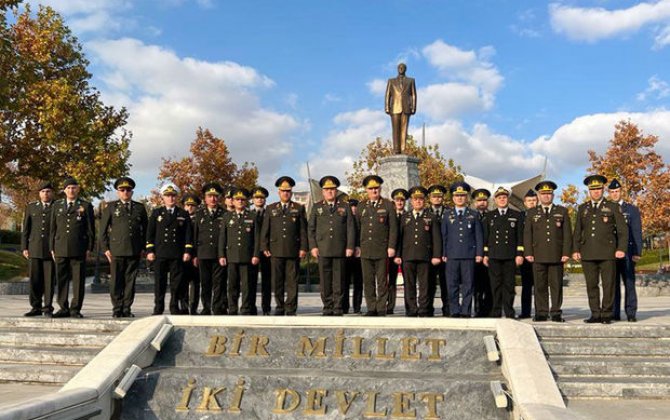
399	171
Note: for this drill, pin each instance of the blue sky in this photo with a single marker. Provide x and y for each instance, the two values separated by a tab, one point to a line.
502	84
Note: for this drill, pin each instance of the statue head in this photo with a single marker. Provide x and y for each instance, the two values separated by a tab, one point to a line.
402	68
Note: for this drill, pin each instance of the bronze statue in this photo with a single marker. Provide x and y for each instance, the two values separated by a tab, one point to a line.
400	103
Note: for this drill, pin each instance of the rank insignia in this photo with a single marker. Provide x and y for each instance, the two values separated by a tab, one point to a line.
160	218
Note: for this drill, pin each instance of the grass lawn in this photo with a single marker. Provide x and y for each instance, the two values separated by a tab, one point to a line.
12	265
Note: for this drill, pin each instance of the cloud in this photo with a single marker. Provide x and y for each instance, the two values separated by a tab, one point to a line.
656	89
377	87
169	96
89	16
566	147
596	23
662	38
473	81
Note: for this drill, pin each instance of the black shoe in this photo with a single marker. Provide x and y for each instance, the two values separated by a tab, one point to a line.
557	318
455	315
48	314
128	314
370	313
76	314
411	314
62	314
525	317
33	312
338	314
389	312
206	312
540	318
266	313
291	314
117	315
606	320
632	318
327	313
357	311
592	320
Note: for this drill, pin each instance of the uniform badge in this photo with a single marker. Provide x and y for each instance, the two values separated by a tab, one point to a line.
160	218
341	211
319	211
248	229
605	219
202	220
559	223
363	213
426	227
451	219
469	225
117	213
408	220
512	224
294	219
382	219
232	222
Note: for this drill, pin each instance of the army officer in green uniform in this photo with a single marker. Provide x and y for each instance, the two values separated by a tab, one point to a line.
547	243
332	238
72	240
123	228
601	236
377	240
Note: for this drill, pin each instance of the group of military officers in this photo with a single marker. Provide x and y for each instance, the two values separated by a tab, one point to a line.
213	252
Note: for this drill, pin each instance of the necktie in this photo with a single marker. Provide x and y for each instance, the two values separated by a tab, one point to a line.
170	211
546	211
416	215
46	206
374	204
502	212
283	208
331	206
69	205
128	208
460	213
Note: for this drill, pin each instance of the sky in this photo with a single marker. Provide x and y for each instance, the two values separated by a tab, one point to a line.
502	85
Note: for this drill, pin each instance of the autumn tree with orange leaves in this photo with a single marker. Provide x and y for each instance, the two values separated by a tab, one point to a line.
645	178
209	161
434	168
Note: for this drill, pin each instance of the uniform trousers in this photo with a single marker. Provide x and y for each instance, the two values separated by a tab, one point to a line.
526	270
393	285
331	275
265	270
594	272
375	284
438	275
501	275
239	280
285	280
483	299
460	276
415	273
71	269
548	281
354	278
625	273
213	292
175	268
189	289
42	284
123	273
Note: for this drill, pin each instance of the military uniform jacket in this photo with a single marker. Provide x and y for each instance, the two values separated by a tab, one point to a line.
169	235
73	230
123	232
462	237
547	237
420	237
632	216
36	230
378	228
239	237
206	228
284	233
503	235
600	231
333	231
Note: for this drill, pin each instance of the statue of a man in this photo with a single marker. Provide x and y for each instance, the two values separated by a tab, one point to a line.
400	103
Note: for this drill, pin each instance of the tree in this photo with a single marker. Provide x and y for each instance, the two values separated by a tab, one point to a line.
632	159
209	161
53	123
569	198
434	168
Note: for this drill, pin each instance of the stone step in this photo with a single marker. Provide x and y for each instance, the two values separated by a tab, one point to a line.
30	337
606	346
607	387
73	356
46	374
51	324
617	330
610	366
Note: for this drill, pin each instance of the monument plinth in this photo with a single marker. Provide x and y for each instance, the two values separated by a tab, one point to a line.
399	171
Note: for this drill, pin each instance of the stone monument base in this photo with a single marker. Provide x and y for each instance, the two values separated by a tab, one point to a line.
399	171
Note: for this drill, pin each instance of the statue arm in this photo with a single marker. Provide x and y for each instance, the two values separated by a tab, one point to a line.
387	98
413	95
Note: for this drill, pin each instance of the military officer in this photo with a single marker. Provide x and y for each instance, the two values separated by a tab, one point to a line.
438	273
420	247
284	241
123	229
483	301
526	269
399	196
600	237
213	277
354	272
189	290
625	267
259	196
332	238
503	252
239	250
462	248
547	246
228	199
35	245
169	245
72	240
377	240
